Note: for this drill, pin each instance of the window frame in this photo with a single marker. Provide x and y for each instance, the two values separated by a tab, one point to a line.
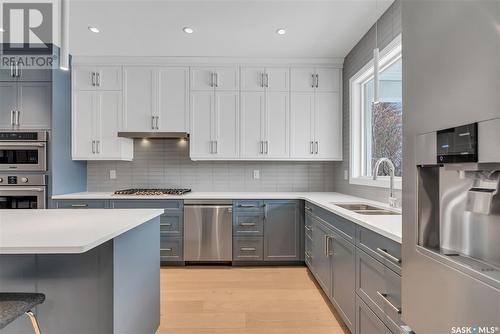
388	56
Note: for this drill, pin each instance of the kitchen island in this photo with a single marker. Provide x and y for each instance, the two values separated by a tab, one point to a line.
99	269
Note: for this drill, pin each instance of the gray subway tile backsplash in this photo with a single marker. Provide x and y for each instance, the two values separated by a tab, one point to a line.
165	163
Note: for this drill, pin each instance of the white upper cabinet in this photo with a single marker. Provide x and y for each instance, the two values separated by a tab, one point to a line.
302	125
265	78
34	105
173	99
277	123
252	125
303	79
227	125
328	79
210	78
156	99
328	126
306	79
202	127
96	118
140	99
97	77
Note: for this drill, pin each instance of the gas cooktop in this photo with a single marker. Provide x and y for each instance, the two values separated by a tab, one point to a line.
152	192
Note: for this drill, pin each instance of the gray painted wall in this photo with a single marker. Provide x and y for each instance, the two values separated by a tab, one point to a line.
166	163
389	27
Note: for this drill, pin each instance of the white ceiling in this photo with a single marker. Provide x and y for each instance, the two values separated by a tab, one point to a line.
230	28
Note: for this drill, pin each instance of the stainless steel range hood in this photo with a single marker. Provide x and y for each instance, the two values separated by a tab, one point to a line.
154	135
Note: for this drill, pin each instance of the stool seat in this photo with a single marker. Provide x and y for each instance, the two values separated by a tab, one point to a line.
14	305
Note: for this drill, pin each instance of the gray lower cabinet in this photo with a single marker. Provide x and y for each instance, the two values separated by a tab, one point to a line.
321	256
81	204
367	322
171	225
282	230
269	231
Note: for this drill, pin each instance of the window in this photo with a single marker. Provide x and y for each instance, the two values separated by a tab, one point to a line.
377	129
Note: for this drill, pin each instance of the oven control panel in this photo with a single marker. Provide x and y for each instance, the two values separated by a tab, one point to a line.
38	180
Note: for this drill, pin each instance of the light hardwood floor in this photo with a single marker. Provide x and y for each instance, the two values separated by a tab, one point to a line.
244	300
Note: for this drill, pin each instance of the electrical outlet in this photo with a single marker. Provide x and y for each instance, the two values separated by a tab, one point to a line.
346	174
256	174
112	174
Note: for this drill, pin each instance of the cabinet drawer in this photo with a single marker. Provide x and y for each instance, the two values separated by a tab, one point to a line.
146	204
79	204
248	224
171	249
342	226
248	249
248	206
171	223
367	322
380	289
381	248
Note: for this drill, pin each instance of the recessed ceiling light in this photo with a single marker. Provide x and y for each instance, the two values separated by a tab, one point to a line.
281	31
2	29
188	30
94	30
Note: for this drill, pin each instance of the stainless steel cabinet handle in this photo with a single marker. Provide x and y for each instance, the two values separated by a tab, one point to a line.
157	122
261	143
247	224
93	146
17	75
387	255
308	228
12	117
167	224
18	117
79	205
267	80
211	79
388	302
166	249
211	147
248	249
12	73
267	147
216	79
262	80
308	209
93	79
247	206
317	80
313	80
308	255
152	122
317	148
98	79
98	146
311	147
328	252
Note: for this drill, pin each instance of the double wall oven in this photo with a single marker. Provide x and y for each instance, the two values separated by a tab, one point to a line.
23	168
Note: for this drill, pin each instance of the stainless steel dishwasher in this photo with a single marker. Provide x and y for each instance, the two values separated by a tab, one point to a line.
208	231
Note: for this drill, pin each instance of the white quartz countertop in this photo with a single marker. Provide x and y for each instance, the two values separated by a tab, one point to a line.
66	231
389	226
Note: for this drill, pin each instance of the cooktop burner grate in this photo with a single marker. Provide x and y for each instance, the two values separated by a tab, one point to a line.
152	192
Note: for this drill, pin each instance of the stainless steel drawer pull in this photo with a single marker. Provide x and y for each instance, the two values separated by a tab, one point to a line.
18	117
387	255
247	206
153	122
166	249
79	205
384	298
328	252
93	79
12	117
167	224
248	224
248	249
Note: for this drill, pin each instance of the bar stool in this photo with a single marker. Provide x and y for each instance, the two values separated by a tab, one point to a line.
14	305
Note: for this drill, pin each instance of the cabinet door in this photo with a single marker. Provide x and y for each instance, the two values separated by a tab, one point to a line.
84	77
202	78
109	78
8	103
367	322
227	124
252	121
328	79
278	79
173	100
343	279
34	104
282	225
109	105
302	79
139	95
227	78
321	257
302	126
252	78
83	124
202	110
277	125
328	126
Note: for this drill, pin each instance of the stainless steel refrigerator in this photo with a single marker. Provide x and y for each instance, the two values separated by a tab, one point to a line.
451	218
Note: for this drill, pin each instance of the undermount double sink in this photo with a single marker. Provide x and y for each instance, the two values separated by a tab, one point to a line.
366	209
